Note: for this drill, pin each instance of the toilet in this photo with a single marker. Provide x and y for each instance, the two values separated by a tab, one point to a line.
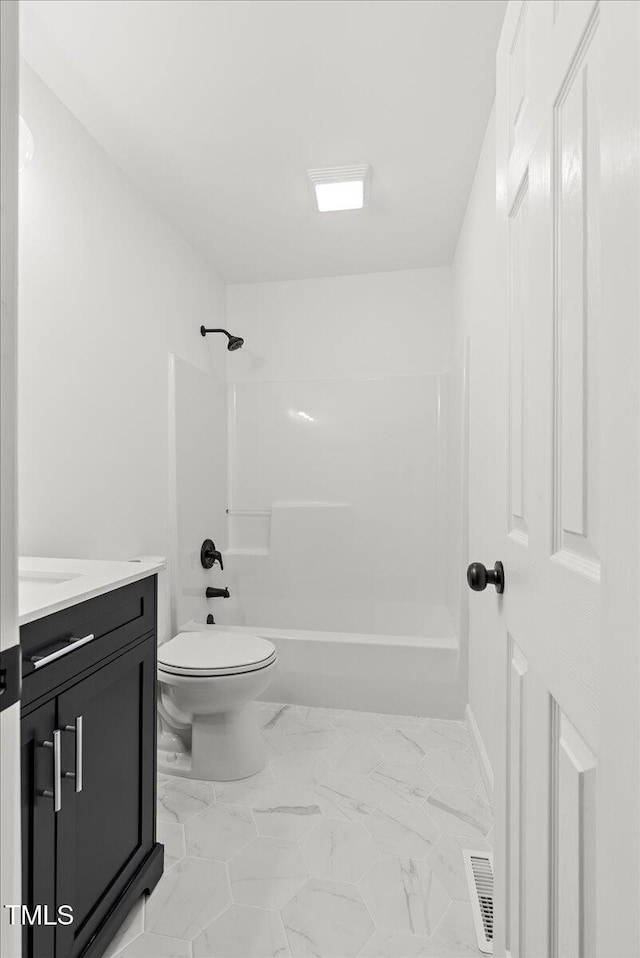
208	682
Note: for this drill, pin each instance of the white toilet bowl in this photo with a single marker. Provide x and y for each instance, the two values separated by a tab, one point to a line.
208	681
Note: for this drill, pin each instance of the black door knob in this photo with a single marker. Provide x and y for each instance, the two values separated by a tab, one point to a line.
479	577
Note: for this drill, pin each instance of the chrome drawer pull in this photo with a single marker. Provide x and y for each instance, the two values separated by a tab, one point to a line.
77	730
39	660
56	794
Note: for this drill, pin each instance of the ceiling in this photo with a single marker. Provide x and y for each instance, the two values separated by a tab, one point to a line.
217	108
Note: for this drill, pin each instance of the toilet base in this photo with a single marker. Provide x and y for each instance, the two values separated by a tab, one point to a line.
225	746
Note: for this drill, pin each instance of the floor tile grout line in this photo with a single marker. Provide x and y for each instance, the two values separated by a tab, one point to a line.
372	935
284	928
157	934
442	918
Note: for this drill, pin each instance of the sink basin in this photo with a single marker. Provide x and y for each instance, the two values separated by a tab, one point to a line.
45	579
47	584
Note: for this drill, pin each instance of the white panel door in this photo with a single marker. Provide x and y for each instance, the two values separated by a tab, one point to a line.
565	616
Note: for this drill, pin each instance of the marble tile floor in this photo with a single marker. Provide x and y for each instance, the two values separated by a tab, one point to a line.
347	845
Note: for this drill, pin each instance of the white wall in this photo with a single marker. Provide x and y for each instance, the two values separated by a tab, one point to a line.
108	289
475	316
344	327
336	451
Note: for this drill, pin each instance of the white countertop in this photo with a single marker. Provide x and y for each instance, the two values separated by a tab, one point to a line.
49	585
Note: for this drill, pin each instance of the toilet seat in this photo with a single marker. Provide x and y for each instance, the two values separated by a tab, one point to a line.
212	653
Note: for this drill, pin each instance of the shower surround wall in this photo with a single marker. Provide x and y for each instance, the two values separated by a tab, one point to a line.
337	460
198	480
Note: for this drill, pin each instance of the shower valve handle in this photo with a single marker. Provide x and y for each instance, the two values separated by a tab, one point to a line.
479	577
209	555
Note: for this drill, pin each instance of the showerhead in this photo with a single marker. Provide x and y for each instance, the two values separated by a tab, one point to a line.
235	342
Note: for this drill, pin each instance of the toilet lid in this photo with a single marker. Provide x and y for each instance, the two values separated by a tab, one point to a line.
215	653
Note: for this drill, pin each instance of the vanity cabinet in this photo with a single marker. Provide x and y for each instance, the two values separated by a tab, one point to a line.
38	826
88	770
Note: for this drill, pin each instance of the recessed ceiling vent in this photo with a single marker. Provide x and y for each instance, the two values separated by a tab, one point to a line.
479	869
340	188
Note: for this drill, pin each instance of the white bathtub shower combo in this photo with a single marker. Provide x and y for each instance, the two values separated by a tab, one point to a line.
332	527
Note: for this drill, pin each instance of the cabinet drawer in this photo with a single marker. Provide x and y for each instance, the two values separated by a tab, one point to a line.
115	619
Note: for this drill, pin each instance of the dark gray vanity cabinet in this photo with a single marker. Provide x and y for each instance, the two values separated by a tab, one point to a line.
88	770
38	826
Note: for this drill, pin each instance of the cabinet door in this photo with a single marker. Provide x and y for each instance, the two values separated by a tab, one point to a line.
38	828
106	825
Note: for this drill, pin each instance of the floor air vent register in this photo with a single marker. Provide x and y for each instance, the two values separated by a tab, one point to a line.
479	869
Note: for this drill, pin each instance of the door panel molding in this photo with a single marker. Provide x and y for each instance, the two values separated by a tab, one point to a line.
573	839
518	299
518	74
576	282
517	669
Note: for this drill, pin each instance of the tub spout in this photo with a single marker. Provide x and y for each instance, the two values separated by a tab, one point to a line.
213	593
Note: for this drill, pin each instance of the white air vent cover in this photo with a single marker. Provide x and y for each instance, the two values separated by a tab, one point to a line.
479	868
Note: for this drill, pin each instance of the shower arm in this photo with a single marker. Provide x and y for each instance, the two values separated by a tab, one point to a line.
235	342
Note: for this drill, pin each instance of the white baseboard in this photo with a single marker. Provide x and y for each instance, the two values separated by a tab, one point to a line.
481	752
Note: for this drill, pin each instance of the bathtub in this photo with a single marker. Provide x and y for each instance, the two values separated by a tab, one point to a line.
396	674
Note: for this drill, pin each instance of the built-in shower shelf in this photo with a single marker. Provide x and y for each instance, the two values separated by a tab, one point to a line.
258	532
247	552
311	504
249	532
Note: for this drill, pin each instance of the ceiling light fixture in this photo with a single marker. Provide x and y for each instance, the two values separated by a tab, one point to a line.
340	188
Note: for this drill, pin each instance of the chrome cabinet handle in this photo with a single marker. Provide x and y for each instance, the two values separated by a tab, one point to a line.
39	660
77	730
56	794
